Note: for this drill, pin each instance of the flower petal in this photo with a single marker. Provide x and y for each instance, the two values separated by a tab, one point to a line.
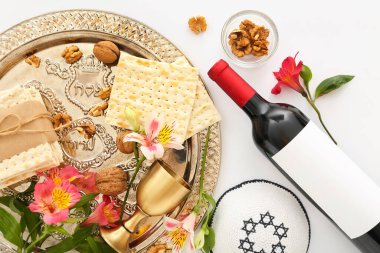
277	89
153	126
87	183
97	217
189	222
135	137
56	217
171	224
152	152
174	145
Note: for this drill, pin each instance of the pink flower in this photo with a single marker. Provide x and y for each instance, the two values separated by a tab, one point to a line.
59	175
106	214
157	137
288	75
181	233
87	183
54	201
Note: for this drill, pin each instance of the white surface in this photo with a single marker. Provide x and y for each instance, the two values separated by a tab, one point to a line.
333	37
237	206
335	182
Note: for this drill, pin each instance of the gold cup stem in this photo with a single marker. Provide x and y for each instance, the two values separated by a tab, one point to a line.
131	224
118	238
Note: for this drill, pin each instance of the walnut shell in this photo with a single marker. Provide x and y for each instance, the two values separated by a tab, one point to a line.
33	60
72	54
111	181
124	147
106	52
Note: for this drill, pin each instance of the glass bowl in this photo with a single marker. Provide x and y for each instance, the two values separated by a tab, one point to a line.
250	61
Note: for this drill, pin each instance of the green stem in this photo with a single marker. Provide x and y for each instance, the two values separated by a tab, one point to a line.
32	230
204	158
42	237
135	151
308	91
320	119
138	166
74	220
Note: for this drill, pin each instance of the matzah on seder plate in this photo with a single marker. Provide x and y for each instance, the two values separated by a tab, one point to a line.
173	90
151	87
41	157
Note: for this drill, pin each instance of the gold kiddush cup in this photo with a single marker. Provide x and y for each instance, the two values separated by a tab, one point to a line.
159	192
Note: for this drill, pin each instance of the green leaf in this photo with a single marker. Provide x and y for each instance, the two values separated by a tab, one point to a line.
83	247
93	245
30	219
22	224
58	229
103	245
10	228
14	208
211	201
85	199
306	75
209	240
330	84
72	242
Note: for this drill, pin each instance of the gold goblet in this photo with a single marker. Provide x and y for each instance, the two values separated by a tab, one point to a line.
159	192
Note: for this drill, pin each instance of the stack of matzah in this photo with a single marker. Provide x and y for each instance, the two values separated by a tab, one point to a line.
26	163
172	90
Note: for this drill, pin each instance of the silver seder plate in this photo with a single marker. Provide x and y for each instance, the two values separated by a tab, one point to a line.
73	89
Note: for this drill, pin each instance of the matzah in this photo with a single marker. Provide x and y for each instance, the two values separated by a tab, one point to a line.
24	164
204	113
153	87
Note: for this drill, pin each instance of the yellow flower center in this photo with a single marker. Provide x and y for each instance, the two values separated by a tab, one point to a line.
61	198
165	135
107	212
57	181
178	237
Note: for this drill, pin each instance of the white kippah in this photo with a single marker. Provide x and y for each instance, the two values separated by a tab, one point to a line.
260	216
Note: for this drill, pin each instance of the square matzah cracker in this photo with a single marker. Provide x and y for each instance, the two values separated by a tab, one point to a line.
153	87
204	113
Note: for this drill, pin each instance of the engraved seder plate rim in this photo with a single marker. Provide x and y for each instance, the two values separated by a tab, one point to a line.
25	37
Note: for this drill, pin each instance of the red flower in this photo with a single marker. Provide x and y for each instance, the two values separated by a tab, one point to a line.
87	183
288	75
106	214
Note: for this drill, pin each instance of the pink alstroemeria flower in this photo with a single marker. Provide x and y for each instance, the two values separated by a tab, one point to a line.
158	136
106	214
289	75
54	201
87	183
180	234
59	175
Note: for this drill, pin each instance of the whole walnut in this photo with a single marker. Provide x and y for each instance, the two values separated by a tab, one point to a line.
112	181
106	52
124	147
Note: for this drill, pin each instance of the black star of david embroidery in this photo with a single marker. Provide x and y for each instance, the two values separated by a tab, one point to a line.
278	248
249	226
281	231
261	251
246	245
266	219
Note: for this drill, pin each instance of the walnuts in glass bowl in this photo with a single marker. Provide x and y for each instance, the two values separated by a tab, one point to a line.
249	38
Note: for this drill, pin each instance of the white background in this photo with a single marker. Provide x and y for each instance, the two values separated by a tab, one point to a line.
333	37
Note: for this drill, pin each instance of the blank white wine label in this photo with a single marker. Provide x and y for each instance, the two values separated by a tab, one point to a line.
347	195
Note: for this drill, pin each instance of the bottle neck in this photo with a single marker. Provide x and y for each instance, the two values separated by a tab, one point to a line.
232	84
256	106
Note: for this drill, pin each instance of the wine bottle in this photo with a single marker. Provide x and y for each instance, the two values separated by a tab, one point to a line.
310	160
